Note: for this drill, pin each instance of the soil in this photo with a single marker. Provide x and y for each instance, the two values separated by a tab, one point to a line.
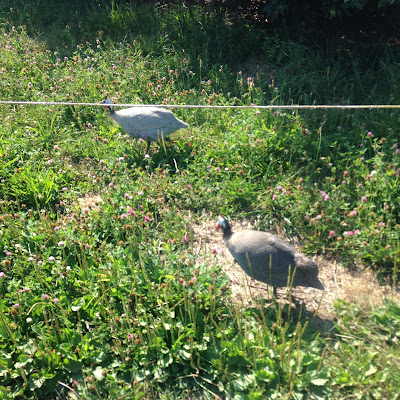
358	286
91	202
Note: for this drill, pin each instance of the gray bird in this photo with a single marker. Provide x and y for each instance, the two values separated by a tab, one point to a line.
148	123
267	258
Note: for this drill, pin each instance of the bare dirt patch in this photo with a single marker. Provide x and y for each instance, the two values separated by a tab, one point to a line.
359	286
90	202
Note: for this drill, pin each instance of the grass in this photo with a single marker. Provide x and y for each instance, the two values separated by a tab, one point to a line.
111	300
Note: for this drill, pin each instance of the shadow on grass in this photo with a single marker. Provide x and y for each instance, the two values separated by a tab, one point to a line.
202	31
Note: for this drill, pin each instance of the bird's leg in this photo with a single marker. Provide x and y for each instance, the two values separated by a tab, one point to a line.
148	146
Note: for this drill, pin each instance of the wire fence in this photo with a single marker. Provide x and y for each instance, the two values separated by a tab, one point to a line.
253	106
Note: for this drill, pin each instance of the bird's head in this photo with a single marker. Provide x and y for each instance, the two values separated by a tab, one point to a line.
308	270
108	104
223	223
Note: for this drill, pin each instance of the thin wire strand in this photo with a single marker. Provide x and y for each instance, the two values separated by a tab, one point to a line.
270	107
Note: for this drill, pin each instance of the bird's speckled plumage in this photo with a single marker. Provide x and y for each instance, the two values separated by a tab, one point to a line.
149	123
269	259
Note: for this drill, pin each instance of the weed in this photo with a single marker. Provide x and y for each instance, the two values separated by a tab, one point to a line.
110	300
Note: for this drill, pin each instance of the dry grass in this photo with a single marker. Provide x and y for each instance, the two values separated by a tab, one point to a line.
359	286
91	202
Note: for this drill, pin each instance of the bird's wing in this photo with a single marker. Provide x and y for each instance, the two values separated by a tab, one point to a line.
260	242
143	119
262	248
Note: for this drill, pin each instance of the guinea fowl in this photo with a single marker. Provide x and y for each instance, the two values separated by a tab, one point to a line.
269	259
149	123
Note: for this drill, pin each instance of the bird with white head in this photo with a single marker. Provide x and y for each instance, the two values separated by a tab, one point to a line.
148	123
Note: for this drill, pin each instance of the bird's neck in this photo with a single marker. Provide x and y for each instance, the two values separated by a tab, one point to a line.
227	234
